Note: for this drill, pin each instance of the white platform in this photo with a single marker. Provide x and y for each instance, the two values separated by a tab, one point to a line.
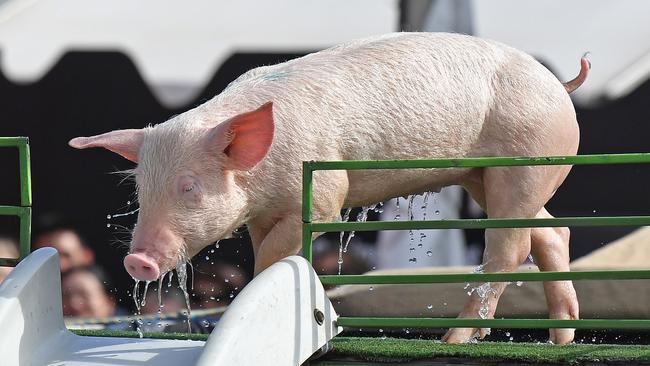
271	322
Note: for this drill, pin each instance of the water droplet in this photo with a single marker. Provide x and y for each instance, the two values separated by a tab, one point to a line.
370	288
429	306
413	260
231	295
507	334
411	249
207	258
108	225
108	217
511	338
429	253
216	245
128	202
519	283
437	212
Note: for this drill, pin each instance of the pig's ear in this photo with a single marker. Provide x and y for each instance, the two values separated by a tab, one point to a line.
244	139
123	142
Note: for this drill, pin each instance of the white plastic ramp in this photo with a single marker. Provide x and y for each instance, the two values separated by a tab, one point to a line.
281	318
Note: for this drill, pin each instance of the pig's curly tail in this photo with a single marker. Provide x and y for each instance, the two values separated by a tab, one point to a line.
585	65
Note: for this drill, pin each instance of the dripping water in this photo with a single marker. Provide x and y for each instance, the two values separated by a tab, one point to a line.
345	218
181	272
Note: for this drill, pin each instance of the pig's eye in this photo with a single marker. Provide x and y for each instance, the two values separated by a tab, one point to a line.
189	191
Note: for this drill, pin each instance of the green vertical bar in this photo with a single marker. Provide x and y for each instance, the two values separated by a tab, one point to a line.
25	232
25	173
307	187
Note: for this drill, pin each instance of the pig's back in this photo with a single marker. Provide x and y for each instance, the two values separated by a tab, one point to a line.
398	96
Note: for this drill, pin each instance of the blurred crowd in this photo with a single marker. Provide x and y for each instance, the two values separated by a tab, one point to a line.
89	293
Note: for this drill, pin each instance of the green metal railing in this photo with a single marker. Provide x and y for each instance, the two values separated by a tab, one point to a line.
309	227
24	211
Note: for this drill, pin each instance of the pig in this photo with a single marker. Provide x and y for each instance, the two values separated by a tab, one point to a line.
236	159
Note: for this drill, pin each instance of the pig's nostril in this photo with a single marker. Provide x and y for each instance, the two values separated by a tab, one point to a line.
141	267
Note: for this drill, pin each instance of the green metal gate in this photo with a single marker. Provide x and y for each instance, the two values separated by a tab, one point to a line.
24	211
309	227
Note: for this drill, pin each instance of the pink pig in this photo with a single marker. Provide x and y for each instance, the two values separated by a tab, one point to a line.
236	159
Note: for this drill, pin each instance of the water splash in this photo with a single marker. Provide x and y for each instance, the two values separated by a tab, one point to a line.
144	295
345	218
474	338
362	216
483	291
425	202
138	321
411	216
397	215
123	214
181	272
160	283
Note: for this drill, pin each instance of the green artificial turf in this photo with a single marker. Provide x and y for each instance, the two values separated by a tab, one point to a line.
409	350
133	334
369	350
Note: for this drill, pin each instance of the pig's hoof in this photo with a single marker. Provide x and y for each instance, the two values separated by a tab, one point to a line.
561	336
464	335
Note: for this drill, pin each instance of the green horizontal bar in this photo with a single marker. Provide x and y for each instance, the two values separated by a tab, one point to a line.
483	277
492	323
8	262
13	141
480	223
14	211
634	158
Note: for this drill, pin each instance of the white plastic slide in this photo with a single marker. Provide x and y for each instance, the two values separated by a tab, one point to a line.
281	318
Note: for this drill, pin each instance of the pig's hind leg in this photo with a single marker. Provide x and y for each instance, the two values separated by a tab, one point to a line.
506	192
550	249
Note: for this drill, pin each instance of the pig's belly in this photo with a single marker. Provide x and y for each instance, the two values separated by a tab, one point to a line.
367	187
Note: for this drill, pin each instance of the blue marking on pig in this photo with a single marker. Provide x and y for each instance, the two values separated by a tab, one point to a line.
274	76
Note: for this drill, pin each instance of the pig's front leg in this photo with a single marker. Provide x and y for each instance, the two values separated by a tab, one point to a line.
282	240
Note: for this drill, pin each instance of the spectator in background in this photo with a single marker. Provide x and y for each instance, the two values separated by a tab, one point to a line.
216	283
8	249
84	294
73	252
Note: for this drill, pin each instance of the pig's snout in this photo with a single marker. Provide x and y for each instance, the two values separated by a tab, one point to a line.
141	267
